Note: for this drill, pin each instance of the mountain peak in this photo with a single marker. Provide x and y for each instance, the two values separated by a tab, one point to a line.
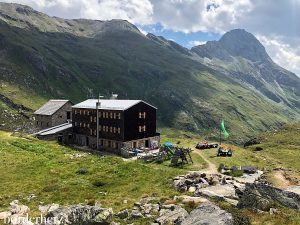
239	42
235	43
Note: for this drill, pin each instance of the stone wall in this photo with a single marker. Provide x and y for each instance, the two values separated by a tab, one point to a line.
60	116
140	143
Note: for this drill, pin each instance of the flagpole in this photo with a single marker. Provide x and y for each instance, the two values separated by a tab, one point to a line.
220	132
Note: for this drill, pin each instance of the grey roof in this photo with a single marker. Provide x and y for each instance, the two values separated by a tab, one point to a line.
113	104
54	130
51	107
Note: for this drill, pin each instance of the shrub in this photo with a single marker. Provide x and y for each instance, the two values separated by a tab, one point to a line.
82	171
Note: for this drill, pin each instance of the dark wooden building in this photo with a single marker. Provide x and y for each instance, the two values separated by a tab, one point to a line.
121	123
53	113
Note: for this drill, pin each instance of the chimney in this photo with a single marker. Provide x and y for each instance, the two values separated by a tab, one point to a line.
114	96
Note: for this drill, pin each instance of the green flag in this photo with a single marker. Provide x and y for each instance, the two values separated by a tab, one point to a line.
226	134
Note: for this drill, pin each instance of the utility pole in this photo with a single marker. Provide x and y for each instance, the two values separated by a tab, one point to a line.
98	104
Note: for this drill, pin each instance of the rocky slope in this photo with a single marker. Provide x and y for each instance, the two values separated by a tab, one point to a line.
47	57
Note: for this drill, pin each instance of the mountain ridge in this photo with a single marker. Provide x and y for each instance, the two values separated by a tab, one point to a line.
192	92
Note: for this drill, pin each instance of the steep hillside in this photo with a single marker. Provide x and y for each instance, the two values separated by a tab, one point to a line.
47	57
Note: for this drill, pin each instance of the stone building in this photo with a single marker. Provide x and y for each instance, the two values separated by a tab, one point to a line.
53	113
121	123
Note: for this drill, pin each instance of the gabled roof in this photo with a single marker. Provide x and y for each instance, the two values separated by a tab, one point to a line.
51	107
109	104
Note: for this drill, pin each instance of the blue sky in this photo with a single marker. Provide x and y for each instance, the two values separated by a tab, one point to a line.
187	40
276	24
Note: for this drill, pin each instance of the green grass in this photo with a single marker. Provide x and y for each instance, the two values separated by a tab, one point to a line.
44	168
30	166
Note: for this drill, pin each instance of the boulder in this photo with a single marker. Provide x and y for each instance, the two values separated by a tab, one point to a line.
180	185
122	214
173	215
18	209
4	215
80	215
194	200
135	214
44	209
192	189
207	214
219	192
263	197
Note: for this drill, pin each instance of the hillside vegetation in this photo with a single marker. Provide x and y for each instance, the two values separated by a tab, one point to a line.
45	57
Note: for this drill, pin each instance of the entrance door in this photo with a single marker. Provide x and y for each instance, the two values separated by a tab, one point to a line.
87	141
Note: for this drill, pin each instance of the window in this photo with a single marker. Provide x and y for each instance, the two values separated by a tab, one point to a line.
111	115
91	118
80	112
95	119
100	114
142	128
37	122
111	129
75	111
83	124
83	112
142	115
100	127
80	124
95	132
88	125
118	115
119	130
91	132
115	130
75	124
115	116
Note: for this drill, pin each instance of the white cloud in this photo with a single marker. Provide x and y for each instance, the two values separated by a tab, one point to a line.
135	11
196	43
283	54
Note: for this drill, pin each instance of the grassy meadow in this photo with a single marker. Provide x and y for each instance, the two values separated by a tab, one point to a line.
47	170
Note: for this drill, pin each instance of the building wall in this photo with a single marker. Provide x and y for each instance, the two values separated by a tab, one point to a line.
133	122
60	116
117	129
111	125
43	121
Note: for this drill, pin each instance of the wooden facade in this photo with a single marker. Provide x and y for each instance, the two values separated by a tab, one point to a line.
133	127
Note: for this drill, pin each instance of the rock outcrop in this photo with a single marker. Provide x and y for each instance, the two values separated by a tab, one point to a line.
80	215
208	214
172	214
263	197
